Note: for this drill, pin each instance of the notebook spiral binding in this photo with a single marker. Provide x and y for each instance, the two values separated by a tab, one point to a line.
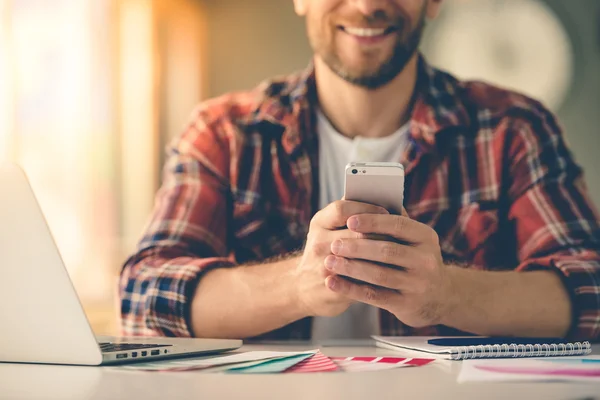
522	350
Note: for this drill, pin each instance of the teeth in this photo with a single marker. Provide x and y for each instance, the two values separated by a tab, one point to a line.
365	32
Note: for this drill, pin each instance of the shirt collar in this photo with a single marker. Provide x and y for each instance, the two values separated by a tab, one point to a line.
438	105
291	103
286	105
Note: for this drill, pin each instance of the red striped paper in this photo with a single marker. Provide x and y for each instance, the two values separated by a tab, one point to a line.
321	363
351	364
317	363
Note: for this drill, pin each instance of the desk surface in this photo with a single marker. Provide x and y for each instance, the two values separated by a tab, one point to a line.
436	381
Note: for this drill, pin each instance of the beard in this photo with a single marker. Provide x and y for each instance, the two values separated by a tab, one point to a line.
405	47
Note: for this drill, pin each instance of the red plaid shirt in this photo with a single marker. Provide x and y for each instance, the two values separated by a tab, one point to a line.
488	169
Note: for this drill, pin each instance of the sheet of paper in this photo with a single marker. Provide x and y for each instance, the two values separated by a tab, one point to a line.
270	366
277	362
412	353
203	363
359	364
551	369
222	368
317	363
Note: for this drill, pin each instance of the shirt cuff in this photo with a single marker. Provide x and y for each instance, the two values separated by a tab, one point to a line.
581	279
169	295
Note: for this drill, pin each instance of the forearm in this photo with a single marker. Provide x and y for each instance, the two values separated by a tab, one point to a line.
509	303
245	301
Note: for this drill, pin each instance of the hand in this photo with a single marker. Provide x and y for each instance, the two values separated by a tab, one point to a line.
311	276
409	280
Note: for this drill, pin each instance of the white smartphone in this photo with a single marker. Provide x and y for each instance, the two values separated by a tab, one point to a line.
379	183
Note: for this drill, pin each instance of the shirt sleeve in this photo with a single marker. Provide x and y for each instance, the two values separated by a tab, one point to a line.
555	222
185	237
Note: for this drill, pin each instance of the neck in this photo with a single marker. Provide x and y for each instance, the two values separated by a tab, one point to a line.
357	111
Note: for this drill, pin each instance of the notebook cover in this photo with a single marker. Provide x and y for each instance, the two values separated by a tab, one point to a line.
419	344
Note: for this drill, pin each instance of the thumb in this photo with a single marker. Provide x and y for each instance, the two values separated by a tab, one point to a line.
404	212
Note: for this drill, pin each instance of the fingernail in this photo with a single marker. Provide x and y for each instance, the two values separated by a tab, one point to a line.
336	246
353	223
330	262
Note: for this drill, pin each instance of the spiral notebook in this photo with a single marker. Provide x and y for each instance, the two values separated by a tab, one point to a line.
462	348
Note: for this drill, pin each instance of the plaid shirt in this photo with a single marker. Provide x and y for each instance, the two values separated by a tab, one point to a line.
488	169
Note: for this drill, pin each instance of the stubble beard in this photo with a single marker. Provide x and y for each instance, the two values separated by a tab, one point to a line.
403	51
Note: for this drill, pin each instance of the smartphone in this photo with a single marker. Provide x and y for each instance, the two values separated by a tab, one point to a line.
378	183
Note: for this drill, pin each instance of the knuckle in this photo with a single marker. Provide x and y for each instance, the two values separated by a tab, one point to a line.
390	252
357	235
382	277
369	222
435	238
339	207
350	247
342	265
314	222
371	294
399	223
345	264
383	297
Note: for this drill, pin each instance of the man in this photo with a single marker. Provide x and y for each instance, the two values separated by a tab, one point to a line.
249	236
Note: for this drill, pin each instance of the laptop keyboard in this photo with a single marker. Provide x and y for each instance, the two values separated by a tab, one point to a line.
110	347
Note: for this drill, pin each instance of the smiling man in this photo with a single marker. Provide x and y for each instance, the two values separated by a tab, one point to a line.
249	236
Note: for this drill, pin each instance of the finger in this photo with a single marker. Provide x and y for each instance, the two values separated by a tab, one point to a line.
336	214
367	272
365	293
404	212
397	226
348	234
322	246
389	253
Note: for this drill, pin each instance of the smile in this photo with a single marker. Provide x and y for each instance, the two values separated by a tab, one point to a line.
367	32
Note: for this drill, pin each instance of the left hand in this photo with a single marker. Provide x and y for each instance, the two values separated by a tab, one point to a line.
409	280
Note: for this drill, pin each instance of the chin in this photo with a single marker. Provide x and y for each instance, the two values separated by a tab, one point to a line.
363	71
363	63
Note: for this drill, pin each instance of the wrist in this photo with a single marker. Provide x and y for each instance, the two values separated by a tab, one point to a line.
295	299
453	298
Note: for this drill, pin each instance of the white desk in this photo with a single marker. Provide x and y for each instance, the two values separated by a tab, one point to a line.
428	382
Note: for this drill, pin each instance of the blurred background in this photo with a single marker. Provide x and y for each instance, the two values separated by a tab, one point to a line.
92	90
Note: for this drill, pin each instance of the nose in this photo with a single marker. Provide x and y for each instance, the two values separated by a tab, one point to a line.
369	7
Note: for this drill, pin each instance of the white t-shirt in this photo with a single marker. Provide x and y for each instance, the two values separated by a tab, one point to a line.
335	151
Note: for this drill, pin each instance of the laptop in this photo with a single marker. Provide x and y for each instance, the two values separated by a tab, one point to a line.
42	320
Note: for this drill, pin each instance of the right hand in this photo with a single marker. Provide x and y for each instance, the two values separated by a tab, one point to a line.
327	226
